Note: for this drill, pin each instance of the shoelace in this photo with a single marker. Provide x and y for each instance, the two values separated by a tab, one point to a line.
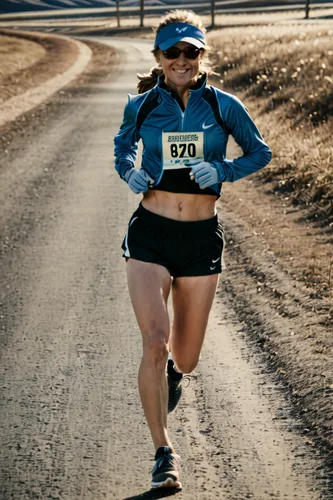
188	378
159	462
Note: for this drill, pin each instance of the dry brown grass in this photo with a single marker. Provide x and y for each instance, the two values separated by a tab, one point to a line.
285	76
17	54
31	59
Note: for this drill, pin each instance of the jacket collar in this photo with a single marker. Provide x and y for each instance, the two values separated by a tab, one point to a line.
196	91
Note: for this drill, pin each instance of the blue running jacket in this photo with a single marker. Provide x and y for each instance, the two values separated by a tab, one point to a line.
209	117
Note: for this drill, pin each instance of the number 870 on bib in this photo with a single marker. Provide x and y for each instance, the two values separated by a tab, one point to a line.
179	147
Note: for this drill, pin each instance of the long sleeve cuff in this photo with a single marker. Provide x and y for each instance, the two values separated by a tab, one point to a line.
123	168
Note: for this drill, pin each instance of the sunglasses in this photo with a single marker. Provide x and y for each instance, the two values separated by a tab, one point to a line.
174	52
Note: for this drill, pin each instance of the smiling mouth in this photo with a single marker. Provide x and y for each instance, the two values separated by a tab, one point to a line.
181	71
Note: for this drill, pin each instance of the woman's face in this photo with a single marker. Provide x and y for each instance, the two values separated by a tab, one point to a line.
181	72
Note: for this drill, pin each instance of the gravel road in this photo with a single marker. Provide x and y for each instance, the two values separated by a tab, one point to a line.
71	422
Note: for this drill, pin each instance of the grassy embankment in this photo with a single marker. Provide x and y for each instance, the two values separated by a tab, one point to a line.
28	60
285	76
16	55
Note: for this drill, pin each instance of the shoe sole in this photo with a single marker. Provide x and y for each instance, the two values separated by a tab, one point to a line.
167	483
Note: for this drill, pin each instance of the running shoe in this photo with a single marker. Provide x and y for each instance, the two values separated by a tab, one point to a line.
165	473
174	384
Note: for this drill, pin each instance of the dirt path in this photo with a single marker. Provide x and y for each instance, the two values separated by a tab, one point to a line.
71	422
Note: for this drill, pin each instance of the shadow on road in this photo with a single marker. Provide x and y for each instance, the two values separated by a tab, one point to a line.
155	494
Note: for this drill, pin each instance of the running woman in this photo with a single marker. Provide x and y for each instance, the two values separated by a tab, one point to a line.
174	240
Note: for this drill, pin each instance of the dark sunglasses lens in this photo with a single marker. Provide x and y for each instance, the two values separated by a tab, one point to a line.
172	53
191	52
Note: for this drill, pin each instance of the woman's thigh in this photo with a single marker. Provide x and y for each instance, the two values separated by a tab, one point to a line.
192	301
149	287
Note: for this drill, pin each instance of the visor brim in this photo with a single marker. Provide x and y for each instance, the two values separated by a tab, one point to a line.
173	41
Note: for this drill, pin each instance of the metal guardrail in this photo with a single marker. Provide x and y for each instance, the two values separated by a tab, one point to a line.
220	6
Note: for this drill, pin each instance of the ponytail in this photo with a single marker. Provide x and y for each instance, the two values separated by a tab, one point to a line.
148	80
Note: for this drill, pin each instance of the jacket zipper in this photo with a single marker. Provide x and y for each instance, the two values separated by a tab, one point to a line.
182	113
183	117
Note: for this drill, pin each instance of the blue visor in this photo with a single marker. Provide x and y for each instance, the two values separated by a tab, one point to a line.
179	32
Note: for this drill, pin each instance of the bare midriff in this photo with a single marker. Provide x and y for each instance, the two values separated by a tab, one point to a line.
180	206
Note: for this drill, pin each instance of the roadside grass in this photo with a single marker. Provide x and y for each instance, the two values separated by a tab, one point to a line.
31	59
16	54
285	75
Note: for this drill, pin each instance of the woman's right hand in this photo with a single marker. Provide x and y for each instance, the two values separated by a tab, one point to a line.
138	180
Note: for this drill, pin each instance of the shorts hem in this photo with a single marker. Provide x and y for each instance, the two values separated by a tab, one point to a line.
174	275
194	275
148	261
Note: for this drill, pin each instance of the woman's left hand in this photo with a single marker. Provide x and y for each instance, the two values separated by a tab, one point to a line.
203	173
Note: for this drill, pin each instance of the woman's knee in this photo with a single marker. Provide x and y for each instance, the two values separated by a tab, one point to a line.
155	348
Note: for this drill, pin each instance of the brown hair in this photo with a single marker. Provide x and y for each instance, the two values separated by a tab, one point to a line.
148	80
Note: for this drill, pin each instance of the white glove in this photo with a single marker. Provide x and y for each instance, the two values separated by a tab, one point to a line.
138	180
203	173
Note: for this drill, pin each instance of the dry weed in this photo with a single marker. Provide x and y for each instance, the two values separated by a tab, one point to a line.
17	54
285	73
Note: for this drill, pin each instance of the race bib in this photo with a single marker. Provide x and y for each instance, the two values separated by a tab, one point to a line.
179	147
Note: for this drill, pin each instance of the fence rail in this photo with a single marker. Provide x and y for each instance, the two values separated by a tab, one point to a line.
221	6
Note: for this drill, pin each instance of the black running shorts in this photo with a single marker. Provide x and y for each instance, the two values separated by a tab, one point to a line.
192	248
